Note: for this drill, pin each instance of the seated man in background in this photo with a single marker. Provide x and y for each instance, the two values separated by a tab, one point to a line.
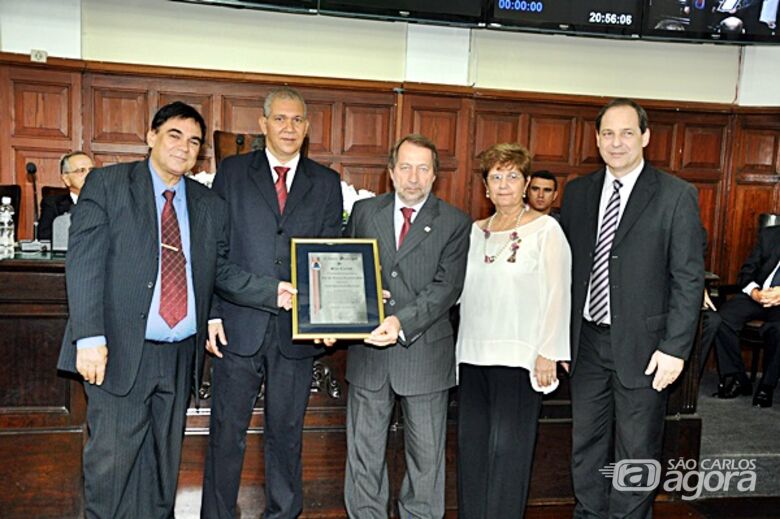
760	299
542	192
74	168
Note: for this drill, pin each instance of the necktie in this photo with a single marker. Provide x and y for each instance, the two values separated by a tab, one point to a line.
407	212
281	186
599	275
173	272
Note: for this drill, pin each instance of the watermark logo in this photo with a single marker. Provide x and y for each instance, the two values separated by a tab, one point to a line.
634	475
687	477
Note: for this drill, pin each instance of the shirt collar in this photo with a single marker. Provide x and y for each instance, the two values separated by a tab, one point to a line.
159	187
399	204
627	180
274	162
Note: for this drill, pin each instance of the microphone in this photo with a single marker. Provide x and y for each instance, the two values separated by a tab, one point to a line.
32	169
34	245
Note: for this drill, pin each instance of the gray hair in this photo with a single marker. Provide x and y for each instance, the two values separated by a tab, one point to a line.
284	92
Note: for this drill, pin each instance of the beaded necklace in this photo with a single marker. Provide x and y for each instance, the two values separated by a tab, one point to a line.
513	239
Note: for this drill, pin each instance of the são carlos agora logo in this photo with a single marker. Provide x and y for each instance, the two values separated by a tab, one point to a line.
688	477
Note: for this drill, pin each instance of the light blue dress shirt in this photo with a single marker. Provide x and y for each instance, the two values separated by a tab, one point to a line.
156	328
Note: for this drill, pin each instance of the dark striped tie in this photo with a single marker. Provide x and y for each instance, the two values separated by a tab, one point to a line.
599	275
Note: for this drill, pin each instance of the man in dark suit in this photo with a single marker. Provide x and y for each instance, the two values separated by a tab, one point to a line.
147	248
423	244
273	195
74	168
637	281
760	299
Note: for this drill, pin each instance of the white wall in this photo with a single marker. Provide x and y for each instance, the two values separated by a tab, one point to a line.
50	25
160	32
598	66
760	81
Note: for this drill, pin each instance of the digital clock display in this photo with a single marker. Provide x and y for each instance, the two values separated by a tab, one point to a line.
611	16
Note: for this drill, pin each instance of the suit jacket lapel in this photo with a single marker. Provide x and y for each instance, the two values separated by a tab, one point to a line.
142	193
197	215
261	176
385	228
421	227
643	192
591	216
298	191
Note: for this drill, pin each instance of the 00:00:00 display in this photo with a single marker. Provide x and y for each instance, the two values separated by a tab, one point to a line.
521	5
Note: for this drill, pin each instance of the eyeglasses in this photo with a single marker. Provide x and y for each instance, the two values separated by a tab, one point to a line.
512	177
80	171
282	120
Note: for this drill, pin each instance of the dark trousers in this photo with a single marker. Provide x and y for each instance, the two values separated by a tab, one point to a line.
604	411
132	455
734	313
236	382
498	415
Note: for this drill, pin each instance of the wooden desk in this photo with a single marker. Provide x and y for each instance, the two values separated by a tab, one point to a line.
42	420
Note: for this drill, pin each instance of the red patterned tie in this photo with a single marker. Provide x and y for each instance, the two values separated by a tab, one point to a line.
407	212
173	272
281	186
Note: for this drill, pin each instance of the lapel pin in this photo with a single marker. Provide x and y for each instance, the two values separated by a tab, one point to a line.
427	229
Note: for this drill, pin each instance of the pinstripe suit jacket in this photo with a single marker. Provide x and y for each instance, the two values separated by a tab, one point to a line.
425	278
112	266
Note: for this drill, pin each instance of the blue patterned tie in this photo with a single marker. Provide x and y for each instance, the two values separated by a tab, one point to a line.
599	275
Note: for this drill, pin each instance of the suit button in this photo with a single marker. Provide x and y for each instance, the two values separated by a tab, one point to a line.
394	274
150	285
143	316
278	261
391	302
279	231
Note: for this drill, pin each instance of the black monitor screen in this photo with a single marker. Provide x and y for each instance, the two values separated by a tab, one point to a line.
735	21
296	6
618	17
452	11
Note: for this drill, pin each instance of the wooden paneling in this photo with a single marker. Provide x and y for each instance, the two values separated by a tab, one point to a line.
120	116
551	138
446	122
703	148
41	110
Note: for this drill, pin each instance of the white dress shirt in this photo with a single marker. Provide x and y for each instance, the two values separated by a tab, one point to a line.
629	181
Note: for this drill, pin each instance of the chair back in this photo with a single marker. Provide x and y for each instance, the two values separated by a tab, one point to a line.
768	220
47	191
15	192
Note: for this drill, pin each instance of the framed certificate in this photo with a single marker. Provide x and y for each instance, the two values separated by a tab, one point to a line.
339	286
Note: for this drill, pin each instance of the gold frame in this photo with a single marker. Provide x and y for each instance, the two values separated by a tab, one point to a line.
294	243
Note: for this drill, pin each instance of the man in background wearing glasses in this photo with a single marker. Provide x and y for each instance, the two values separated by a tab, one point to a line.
74	168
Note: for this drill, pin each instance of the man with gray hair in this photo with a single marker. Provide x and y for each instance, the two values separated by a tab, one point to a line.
273	195
74	168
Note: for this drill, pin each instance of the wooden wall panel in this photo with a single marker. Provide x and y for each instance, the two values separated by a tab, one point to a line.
42	110
703	148
446	122
661	149
120	116
551	139
493	128
367	129
241	114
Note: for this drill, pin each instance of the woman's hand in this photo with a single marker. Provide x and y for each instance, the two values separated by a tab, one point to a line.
544	371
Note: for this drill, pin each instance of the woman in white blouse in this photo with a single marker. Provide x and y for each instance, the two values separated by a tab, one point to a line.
514	328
